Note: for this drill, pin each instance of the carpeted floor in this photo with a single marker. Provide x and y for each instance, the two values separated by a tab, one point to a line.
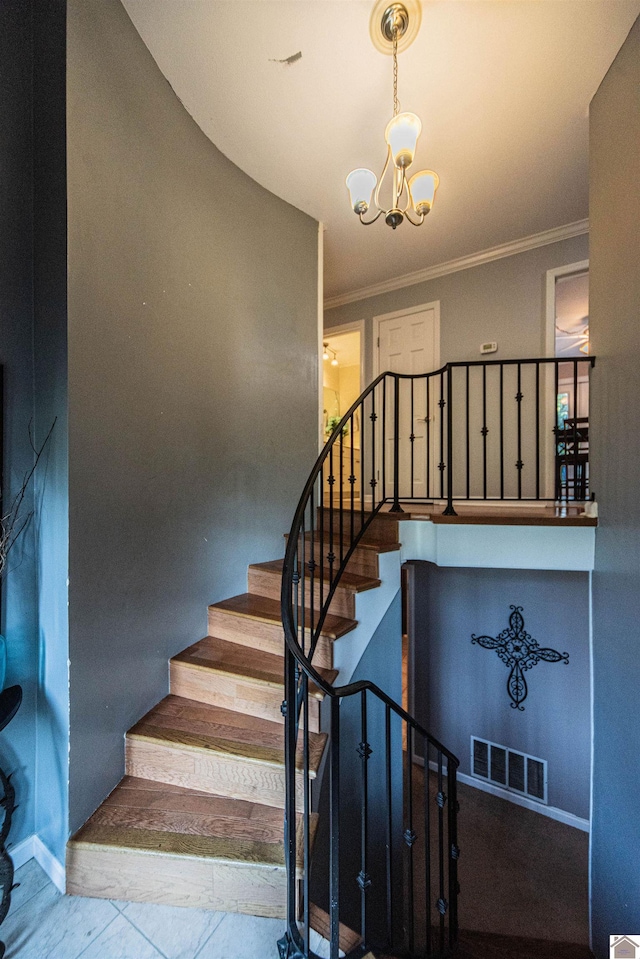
523	880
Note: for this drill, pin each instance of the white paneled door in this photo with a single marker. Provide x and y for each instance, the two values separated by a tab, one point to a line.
408	342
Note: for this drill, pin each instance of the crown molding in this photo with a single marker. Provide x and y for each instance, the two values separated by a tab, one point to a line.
532	242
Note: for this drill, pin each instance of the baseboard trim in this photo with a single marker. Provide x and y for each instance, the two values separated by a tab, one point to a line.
33	848
22	852
52	866
552	812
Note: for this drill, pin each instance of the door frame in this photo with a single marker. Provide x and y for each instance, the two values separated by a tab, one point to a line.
582	266
549	349
377	320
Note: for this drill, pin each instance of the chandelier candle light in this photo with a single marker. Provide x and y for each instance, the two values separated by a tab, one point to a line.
409	196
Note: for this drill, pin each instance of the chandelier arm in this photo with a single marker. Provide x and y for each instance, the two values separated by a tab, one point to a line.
369	222
376	195
403	183
413	222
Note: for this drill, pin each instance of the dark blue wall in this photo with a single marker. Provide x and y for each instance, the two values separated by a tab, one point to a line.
19	624
460	688
615	337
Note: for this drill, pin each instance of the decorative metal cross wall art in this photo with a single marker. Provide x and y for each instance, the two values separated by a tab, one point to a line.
519	651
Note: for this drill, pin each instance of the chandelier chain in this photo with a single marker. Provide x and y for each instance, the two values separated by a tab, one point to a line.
396	106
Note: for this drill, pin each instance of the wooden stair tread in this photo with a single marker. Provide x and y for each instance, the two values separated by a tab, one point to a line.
349	581
185	822
232	659
191	725
268	611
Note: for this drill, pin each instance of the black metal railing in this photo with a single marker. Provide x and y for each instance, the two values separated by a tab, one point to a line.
499	430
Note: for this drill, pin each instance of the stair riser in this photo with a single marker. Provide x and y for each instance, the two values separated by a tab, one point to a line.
176	881
380	530
231	692
208	771
265	583
264	636
363	562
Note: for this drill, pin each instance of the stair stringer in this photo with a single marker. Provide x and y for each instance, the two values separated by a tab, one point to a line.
370	609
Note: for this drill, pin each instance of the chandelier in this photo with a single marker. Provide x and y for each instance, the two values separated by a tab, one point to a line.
410	198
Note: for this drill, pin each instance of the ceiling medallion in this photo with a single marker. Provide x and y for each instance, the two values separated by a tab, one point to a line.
393	27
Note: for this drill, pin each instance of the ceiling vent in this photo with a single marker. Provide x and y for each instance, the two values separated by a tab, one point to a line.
509	769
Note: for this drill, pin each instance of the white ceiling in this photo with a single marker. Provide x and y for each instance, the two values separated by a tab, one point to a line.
502	88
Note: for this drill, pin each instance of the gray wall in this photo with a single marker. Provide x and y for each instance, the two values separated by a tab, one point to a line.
19	624
460	688
615	335
501	301
192	383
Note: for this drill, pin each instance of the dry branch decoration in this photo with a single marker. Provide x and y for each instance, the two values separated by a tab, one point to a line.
15	521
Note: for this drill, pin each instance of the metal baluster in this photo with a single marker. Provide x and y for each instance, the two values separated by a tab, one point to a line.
409	834
389	843
374	481
306	811
363	434
556	433
468	450
396	508
384	438
501	431
334	830
303	573
453	852
441	463
428	388
330	555
296	592
427	844
537	431
449	511
484	431
313	564
576	484
412	436
290	787
519	464
352	483
321	557
341	494
440	800
364	751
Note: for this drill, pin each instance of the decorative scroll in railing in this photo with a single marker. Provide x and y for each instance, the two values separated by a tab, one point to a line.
510	430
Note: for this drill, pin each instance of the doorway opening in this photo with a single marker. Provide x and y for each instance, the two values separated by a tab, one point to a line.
342	377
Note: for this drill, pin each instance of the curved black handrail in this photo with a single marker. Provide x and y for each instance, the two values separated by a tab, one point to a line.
301	671
390	403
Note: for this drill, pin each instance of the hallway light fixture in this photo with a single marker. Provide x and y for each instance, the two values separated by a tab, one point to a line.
325	354
409	196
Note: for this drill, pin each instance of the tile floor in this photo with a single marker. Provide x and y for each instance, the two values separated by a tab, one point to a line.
44	924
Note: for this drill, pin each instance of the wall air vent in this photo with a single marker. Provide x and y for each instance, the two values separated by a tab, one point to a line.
509	769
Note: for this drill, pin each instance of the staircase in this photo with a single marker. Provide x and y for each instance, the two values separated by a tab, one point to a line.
198	818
